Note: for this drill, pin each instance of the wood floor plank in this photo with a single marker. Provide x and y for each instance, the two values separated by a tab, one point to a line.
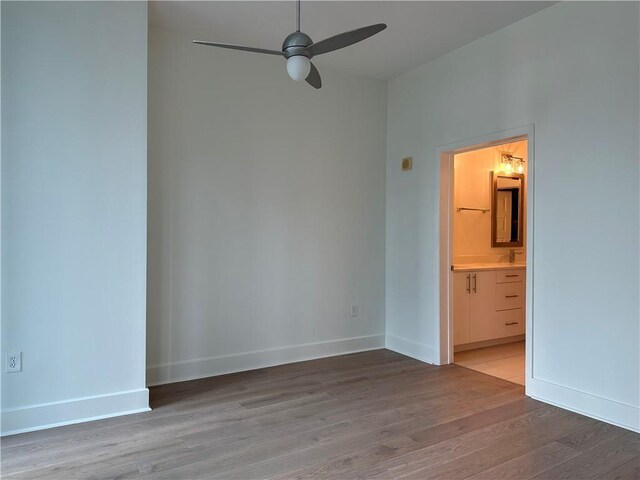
235	426
458	455
348	465
501	448
589	438
421	413
529	464
374	414
627	471
598	461
342	425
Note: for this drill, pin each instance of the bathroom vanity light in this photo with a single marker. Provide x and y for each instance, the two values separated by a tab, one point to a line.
510	163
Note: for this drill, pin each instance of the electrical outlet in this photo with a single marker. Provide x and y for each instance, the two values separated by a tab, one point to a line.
354	310
14	362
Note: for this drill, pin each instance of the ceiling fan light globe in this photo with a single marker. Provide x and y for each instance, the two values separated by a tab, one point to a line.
298	67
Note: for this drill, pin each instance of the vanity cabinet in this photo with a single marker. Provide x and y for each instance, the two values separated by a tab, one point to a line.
487	304
473	304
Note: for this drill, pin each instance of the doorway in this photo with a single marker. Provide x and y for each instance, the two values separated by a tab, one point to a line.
485	271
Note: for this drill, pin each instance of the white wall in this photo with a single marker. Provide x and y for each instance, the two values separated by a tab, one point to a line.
572	70
266	212
73	210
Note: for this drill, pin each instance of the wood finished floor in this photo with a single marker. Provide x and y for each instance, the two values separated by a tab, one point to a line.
367	415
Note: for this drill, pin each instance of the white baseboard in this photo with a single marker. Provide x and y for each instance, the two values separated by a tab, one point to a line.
212	366
75	410
610	411
487	343
410	348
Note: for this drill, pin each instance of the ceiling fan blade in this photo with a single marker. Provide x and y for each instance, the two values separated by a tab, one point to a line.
313	78
345	39
238	47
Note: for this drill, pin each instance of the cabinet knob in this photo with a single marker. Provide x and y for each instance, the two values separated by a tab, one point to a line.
511	296
511	323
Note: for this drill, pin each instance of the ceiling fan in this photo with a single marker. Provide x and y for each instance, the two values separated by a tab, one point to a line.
299	49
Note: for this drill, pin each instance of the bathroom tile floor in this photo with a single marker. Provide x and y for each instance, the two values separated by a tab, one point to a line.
503	361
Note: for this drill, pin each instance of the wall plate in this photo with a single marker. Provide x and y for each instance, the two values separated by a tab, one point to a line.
13	362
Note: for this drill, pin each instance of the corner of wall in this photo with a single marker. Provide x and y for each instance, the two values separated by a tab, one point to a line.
411	348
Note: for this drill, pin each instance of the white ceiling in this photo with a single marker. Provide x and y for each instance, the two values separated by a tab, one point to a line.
417	32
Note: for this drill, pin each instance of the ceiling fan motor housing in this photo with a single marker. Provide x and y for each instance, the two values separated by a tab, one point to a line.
296	43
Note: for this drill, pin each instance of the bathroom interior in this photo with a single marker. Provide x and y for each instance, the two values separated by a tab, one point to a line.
488	253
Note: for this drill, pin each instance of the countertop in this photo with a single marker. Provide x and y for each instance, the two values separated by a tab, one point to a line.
473	267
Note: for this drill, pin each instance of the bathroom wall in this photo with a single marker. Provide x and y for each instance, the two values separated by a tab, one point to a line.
472	188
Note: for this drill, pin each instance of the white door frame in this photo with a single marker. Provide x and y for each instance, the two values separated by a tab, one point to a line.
444	347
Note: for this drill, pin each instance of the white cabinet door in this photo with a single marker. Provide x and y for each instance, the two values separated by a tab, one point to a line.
482	305
460	306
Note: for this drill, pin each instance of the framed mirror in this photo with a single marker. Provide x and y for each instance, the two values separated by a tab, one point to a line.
507	221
